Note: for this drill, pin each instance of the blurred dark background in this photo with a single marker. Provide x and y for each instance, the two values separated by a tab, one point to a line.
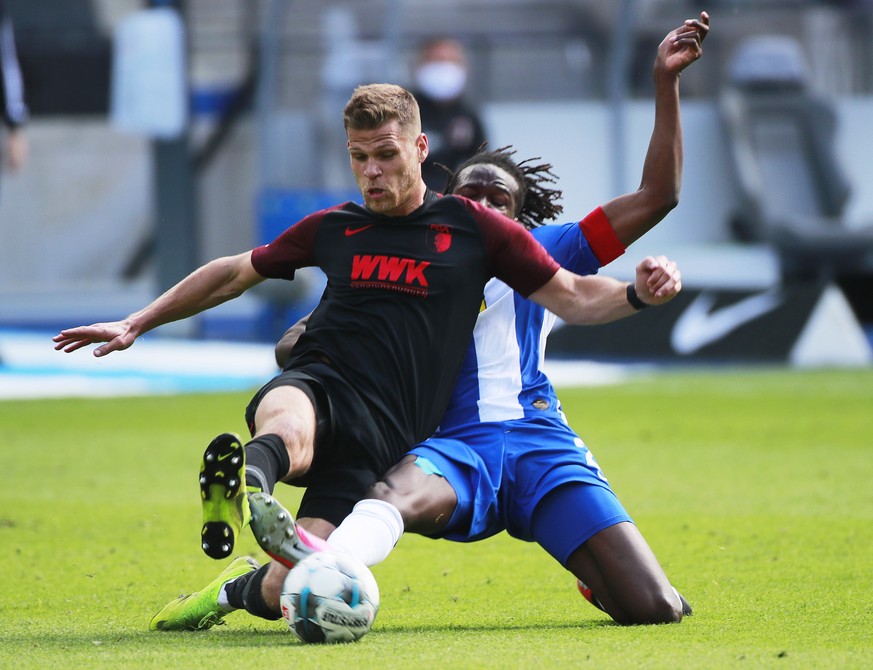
778	188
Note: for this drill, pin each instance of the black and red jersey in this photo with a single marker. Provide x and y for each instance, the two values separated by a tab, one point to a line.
402	297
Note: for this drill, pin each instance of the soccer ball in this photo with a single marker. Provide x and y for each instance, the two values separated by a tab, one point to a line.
329	598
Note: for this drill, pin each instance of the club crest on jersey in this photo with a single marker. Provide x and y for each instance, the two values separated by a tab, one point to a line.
439	237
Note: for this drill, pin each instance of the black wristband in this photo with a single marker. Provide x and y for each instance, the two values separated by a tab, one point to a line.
634	299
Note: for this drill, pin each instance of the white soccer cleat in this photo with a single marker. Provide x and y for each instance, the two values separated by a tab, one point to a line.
276	531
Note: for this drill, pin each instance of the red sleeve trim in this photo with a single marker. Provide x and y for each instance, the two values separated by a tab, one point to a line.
292	249
601	236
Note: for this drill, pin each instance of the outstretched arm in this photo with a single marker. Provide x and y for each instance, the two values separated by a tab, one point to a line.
634	214
216	282
592	299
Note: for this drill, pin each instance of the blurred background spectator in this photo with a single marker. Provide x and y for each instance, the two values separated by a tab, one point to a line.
451	123
11	96
568	80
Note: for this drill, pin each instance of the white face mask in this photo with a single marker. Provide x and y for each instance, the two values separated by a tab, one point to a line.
441	80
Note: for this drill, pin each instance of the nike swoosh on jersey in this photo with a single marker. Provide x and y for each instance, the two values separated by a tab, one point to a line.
354	231
699	326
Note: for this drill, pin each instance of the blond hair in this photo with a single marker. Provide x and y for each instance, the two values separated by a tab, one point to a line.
373	105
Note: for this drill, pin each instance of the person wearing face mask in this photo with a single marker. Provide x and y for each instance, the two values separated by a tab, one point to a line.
453	127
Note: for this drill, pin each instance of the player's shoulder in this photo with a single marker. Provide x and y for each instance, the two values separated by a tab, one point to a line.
459	208
342	212
348	207
551	231
475	209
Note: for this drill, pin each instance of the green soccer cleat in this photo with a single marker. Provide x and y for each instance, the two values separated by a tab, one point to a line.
223	494
200	610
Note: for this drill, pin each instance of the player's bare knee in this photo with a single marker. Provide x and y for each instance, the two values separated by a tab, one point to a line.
287	411
297	435
658	608
401	500
299	442
668	611
383	491
423	497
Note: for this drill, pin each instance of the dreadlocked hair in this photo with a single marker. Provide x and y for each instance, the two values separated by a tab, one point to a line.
537	202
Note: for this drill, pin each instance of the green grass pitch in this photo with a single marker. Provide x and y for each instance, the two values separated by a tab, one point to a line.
754	487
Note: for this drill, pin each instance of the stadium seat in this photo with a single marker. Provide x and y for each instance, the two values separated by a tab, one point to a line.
792	189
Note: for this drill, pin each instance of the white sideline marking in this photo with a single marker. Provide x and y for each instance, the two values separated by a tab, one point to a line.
30	368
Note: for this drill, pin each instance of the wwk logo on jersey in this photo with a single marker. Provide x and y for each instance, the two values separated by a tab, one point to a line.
439	237
390	272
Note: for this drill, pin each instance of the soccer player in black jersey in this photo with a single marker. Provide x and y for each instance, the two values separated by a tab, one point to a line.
372	374
423	499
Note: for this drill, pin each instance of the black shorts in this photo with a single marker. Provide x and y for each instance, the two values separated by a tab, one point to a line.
343	465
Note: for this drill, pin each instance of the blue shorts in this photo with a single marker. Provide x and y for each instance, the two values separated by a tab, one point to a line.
502	471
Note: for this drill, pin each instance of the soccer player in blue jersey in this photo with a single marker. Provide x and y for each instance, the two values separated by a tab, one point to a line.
470	480
504	457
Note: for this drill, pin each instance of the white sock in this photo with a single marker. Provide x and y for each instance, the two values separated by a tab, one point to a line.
679	598
222	598
369	533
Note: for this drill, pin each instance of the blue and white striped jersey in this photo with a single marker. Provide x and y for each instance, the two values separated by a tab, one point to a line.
501	378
